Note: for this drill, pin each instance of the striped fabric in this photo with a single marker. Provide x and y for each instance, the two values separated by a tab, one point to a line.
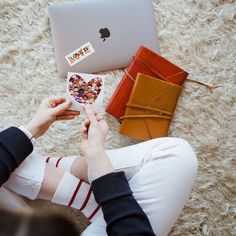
73	192
64	163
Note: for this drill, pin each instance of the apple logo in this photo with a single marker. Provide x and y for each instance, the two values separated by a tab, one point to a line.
105	33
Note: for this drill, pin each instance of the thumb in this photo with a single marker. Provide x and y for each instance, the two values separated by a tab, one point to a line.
90	114
59	109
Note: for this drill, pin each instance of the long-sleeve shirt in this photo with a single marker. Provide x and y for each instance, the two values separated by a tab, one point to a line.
15	146
122	213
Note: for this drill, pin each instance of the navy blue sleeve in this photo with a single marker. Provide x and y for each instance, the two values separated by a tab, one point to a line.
122	213
15	146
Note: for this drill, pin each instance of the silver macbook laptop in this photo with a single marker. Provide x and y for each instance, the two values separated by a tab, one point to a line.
97	35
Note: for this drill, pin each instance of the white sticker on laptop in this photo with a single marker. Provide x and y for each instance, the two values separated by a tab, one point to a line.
80	54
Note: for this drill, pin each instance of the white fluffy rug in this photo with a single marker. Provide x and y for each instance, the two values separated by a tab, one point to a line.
197	35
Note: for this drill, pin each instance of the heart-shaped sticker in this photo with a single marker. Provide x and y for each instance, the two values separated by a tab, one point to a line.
84	92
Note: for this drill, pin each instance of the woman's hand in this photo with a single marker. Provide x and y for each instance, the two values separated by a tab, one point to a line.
50	110
94	132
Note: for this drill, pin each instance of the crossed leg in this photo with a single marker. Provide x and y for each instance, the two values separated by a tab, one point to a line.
160	172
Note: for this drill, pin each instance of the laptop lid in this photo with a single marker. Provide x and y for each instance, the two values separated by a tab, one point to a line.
97	35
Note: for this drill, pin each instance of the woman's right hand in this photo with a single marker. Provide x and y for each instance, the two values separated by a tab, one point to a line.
50	110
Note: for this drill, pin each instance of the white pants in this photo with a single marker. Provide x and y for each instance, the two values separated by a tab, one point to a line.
160	172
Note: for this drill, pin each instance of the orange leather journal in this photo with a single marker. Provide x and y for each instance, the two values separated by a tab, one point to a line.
150	108
147	62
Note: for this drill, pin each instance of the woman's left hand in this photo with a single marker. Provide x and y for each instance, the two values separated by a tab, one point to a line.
50	110
94	132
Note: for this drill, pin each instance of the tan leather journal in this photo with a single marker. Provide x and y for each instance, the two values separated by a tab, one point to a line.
149	63
150	108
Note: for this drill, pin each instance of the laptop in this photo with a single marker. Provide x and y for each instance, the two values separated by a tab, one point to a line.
91	36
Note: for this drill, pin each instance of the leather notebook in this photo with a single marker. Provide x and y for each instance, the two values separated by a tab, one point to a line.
147	62
150	108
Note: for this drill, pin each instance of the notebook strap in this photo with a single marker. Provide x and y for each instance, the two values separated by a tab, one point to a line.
161	112
144	116
210	87
151	69
129	75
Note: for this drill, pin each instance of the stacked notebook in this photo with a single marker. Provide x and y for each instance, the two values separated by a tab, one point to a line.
146	97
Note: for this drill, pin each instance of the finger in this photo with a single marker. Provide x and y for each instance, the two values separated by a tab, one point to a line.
84	132
69	112
90	113
74	110
86	122
84	135
99	117
65	117
59	109
53	101
84	129
85	125
58	99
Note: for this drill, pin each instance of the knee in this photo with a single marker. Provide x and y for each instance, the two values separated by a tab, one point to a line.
185	155
179	154
176	151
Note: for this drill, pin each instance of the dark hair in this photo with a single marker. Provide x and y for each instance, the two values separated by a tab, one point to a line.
33	224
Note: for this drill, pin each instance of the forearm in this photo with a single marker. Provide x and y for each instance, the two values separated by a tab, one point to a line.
98	163
33	129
